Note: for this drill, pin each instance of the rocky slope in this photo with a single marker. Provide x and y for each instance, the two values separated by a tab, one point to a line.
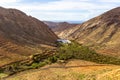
66	33
17	26
102	32
20	35
60	28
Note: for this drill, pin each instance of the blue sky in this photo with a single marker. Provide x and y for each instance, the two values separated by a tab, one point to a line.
62	10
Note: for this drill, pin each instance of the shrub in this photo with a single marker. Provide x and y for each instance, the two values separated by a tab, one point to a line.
78	51
1	70
52	59
36	65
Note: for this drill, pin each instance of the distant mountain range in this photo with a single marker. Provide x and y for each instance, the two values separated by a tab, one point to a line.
60	27
71	22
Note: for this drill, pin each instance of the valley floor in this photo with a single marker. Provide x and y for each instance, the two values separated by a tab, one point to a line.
72	70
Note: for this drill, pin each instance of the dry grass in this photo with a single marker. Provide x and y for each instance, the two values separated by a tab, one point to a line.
110	51
73	70
11	52
112	75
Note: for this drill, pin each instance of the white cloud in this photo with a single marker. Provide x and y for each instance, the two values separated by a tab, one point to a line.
69	9
56	5
111	1
59	15
9	1
59	5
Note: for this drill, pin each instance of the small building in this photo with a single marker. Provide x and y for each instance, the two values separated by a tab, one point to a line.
64	41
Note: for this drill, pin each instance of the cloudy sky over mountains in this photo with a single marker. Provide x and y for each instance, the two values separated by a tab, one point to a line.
62	10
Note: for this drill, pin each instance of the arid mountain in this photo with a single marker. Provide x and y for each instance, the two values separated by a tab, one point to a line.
17	26
20	35
51	24
60	28
102	32
66	33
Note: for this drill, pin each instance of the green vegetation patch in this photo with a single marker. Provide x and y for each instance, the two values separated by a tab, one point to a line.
78	51
63	53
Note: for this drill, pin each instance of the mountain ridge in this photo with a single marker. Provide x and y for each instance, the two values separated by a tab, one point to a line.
20	19
22	35
60	28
